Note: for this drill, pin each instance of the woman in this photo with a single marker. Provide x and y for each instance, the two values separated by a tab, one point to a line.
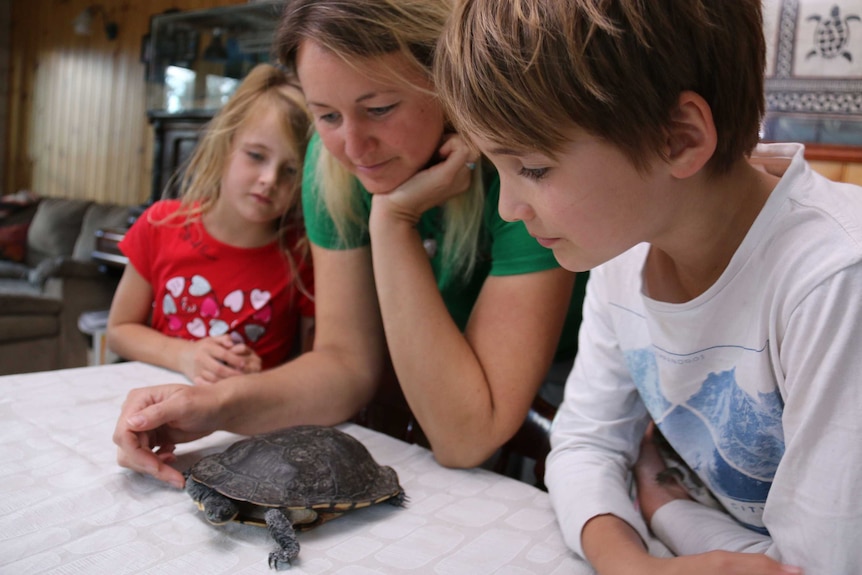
471	330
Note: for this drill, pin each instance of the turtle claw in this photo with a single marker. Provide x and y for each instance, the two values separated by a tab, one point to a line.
399	500
279	560
281	529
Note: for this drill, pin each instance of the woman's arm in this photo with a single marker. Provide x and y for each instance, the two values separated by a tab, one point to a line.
325	386
469	391
340	374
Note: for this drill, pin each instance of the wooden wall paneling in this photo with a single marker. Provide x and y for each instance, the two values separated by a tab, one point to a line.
5	76
832	170
77	108
853	174
128	133
839	163
76	122
23	61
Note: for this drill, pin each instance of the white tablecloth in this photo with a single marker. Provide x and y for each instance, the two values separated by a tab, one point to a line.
67	507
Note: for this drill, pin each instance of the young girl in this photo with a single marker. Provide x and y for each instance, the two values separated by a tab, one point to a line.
218	282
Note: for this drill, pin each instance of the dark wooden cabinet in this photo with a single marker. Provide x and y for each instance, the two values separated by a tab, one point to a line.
195	60
174	138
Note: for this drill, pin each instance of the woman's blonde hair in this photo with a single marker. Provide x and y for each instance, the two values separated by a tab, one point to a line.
356	31
200	182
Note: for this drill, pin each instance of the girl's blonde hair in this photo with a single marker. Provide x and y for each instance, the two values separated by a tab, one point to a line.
200	182
356	31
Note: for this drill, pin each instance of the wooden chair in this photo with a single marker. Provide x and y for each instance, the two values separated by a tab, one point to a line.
531	442
389	413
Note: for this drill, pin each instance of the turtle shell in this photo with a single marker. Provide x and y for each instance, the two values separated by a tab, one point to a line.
305	467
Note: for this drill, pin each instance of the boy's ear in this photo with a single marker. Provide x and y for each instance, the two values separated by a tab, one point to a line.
691	139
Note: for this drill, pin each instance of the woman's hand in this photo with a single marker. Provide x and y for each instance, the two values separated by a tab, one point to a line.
212	359
155	419
430	187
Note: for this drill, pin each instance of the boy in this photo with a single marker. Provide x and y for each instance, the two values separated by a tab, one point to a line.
724	301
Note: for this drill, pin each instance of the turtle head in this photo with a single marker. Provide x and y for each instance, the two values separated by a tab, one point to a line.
217	508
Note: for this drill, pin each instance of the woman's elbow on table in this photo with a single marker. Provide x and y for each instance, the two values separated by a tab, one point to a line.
467	452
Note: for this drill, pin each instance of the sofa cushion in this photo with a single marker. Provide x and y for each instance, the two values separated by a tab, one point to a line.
98	216
23	303
14	288
23	327
55	228
62	268
13	270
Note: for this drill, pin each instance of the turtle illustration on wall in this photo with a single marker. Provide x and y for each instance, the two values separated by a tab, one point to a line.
832	35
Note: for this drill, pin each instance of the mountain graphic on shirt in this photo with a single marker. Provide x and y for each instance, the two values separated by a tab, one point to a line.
733	440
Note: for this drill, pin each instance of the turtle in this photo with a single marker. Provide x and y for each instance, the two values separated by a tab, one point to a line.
292	479
832	34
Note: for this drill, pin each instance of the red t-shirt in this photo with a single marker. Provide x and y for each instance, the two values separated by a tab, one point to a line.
203	287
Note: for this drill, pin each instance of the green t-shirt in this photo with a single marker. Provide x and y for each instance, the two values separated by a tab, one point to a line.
505	248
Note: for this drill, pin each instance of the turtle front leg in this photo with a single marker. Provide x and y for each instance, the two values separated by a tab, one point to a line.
281	529
217	508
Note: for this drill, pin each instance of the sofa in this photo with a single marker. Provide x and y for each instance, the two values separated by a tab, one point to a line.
48	279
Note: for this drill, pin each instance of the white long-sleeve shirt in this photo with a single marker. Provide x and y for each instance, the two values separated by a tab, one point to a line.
757	383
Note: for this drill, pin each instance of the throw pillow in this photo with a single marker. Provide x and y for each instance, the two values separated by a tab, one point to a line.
55	228
16	213
13	241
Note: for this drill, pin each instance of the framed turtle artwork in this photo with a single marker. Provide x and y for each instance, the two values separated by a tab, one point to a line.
813	71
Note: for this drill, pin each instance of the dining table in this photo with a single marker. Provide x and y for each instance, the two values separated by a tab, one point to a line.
67	507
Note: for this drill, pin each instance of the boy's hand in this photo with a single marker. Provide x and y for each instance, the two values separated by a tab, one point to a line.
717	563
725	563
654	492
613	547
212	359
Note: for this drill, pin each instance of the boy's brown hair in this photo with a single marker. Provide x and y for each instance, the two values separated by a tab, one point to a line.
520	73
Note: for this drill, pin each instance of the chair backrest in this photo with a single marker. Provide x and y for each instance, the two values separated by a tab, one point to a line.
389	413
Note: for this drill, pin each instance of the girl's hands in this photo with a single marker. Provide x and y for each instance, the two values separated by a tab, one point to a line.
212	359
430	187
